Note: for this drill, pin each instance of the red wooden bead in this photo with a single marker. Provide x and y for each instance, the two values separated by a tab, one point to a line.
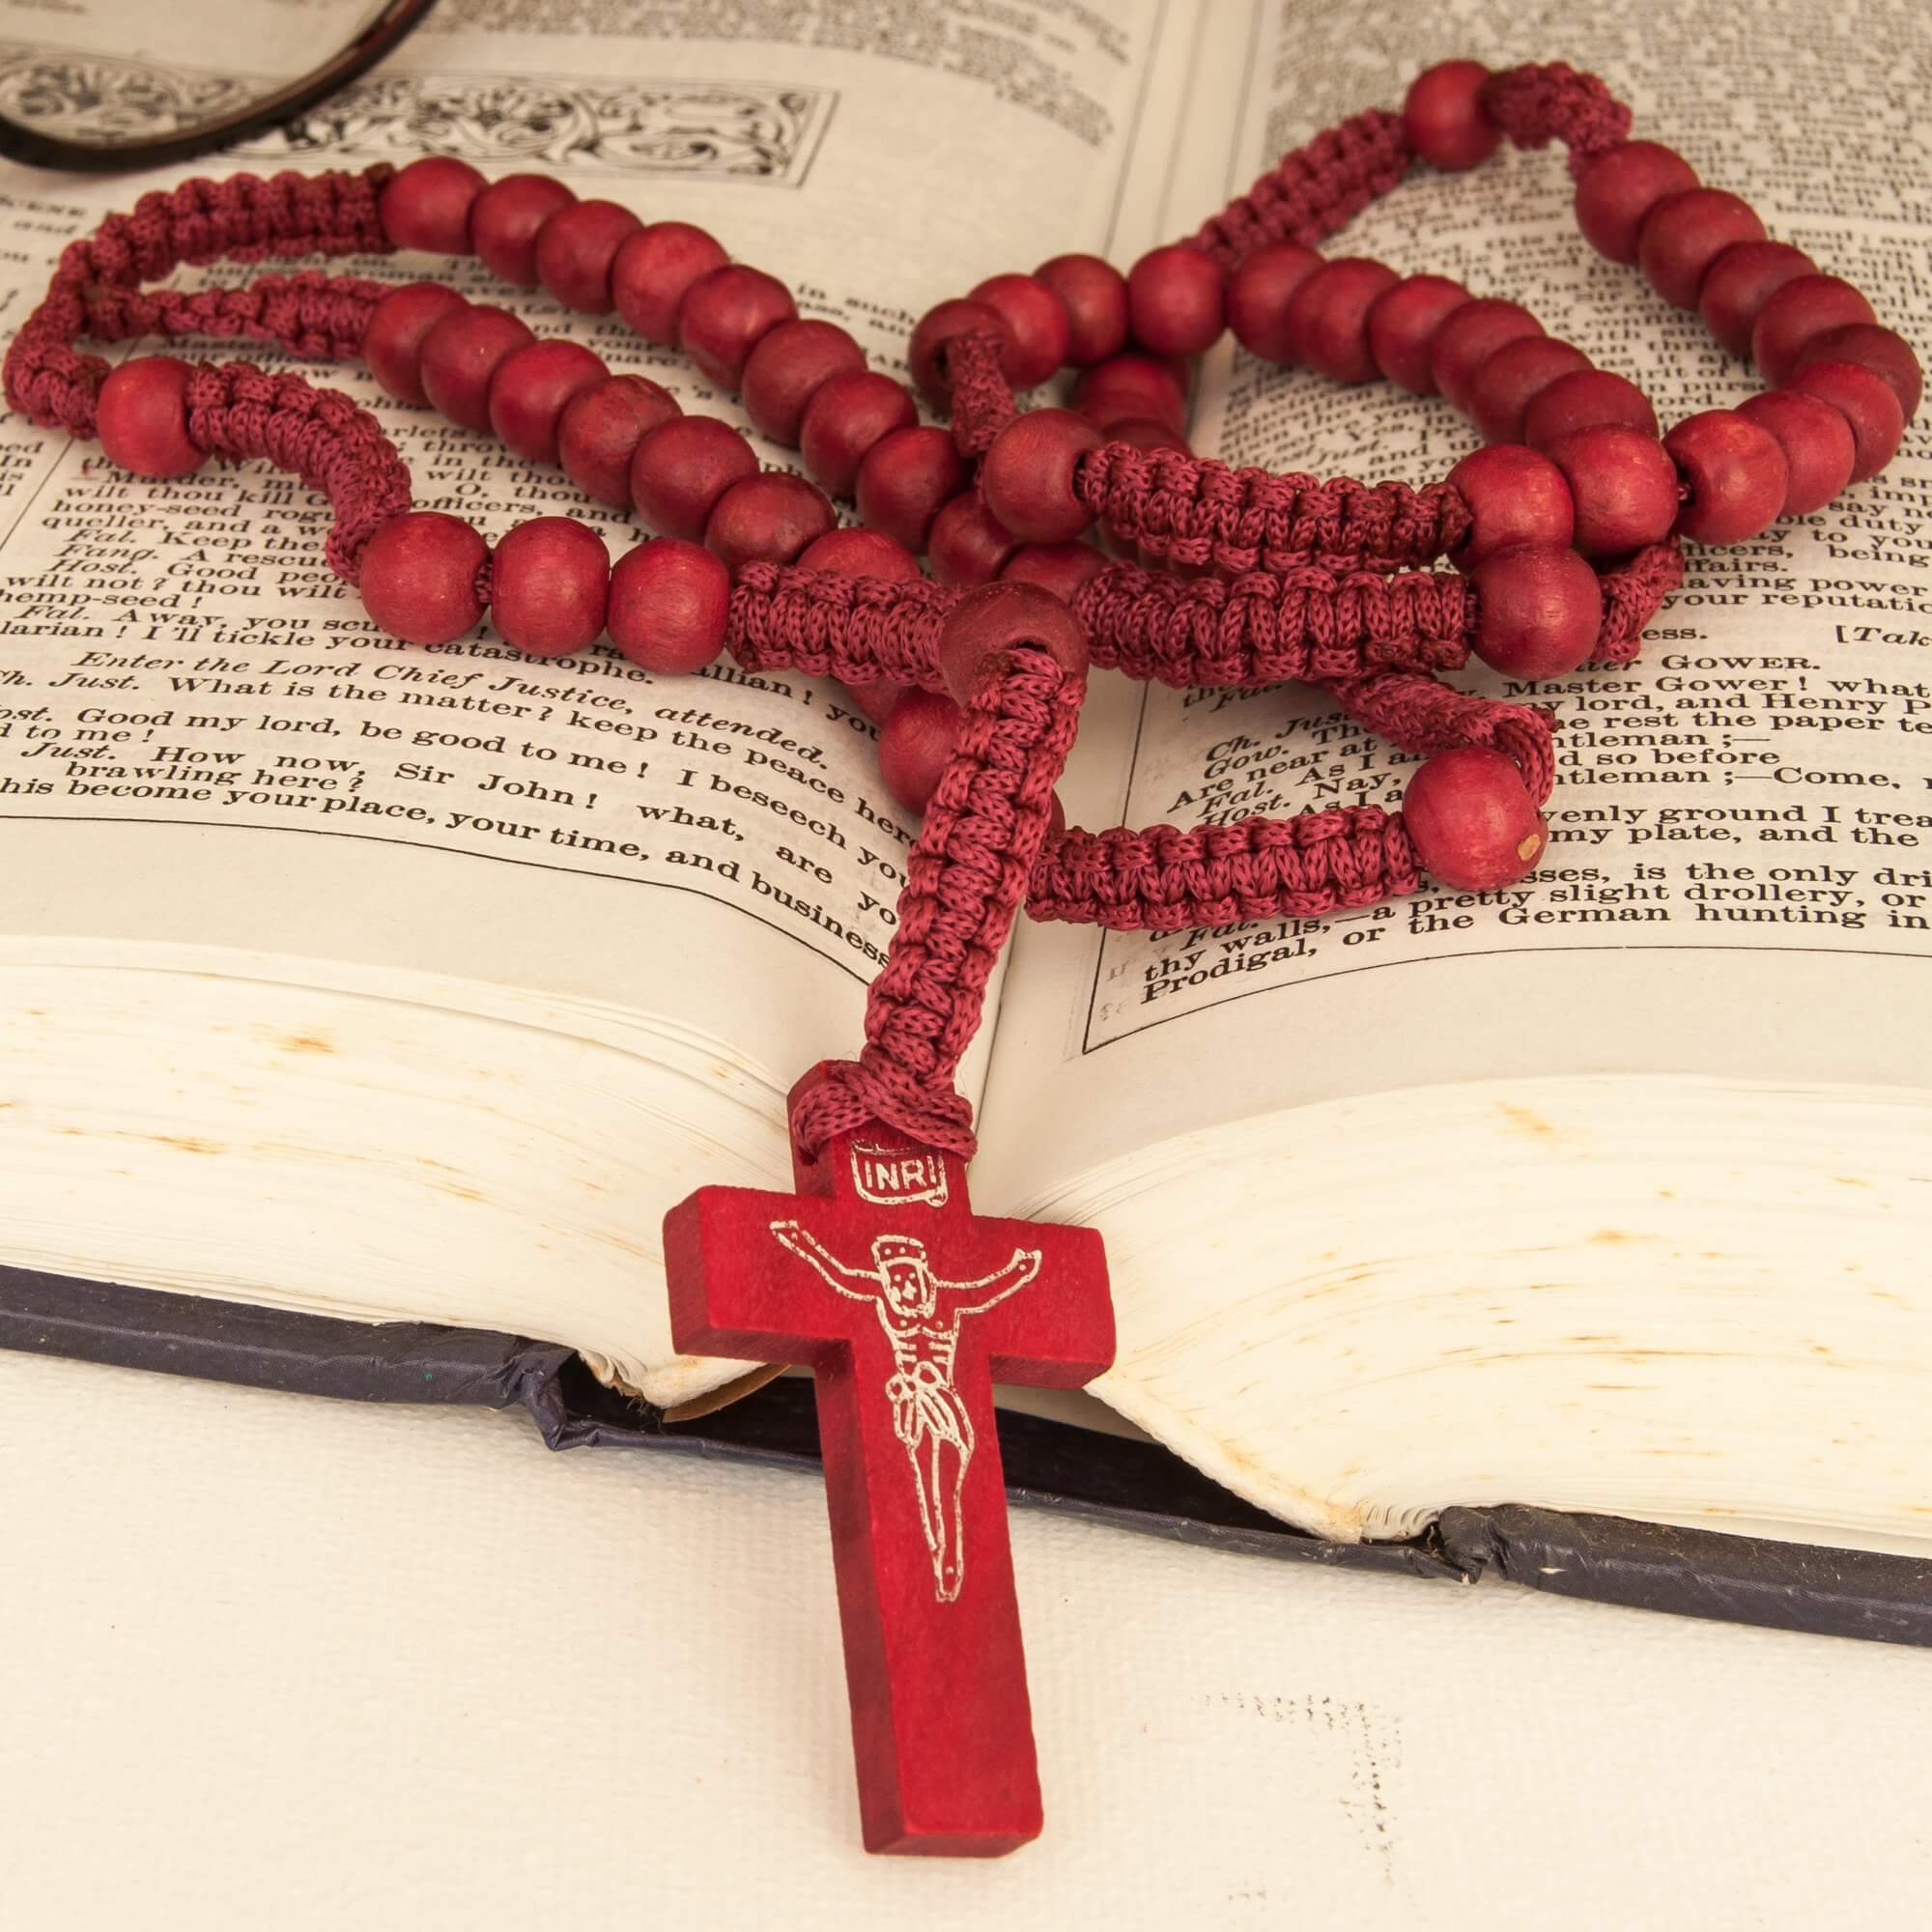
427	204
1806	306
1539	609
598	434
392	343
916	744
989	624
505	220
1580	401
1512	379
724	316
1624	485
767	519
681	470
1472	822
141	417
1734	470
461	354
853	552
654	271
1442	116
1027	475
418	577
968	544
1258	292
577	251
1819	451
906	480
1327	318
1095	295
877	701
926	352
530	388
1882	350
1685	232
784	370
1468	337
1740	281
1403	322
1137	432
1514	497
550	586
1060	567
1866	401
1618	189
669	601
847	416
1176	301
1144	382
1040	332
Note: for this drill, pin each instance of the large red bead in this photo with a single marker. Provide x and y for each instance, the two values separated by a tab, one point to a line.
461	355
1176	301
1791	316
1472	822
1328	318
1882	350
598	434
1512	379
1816	439
141	417
418	577
1027	475
1618	189
770	518
427	204
550	586
1095	295
1039	333
530	388
847	416
1734	470
1538	610
1258	292
1866	401
681	470
988	625
1739	283
1469	337
1059	567
1442	116
1624	485
1131	384
784	370
1514	497
577	250
655	271
906	480
853	552
1402	323
1685	232
724	316
669	603
1581	399
968	544
392	344
916	744
505	220
926	352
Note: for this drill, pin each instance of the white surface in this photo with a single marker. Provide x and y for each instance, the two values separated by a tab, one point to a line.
276	1661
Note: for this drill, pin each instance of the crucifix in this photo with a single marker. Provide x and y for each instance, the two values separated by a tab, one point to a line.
908	1307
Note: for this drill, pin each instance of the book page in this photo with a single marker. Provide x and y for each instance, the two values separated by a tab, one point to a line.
1739	881
202	739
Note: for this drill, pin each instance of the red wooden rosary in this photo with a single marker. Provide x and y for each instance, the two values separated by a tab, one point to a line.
1563	533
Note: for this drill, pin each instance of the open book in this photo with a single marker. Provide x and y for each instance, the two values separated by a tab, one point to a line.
406	984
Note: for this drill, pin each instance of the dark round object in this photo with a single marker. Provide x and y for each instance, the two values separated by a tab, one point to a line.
725	315
967	543
1095	295
505	220
847	416
577	251
1514	497
1739	283
853	552
1258	292
1176	301
784	372
1624	485
1819	449
140	415
682	467
1027	475
916	745
1401	325
904	481
1039	333
392	343
1685	232
1791	316
654	271
1145	386
598	434
1512	379
1735	473
550	586
1442	116
1468	337
770	518
1882	350
1328	318
418	577
1618	189
1472	822
1059	567
988	625
1581	399
1539	609
427	204
530	388
668	605
926	352
1866	401
461	355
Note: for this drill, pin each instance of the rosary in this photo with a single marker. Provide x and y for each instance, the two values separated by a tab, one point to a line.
1562	533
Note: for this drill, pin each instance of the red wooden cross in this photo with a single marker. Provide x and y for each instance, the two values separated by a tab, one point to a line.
907	1306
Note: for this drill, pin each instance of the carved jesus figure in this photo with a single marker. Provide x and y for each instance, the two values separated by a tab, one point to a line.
921	1314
